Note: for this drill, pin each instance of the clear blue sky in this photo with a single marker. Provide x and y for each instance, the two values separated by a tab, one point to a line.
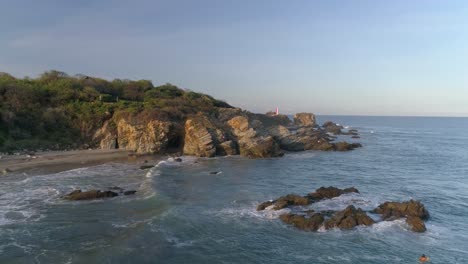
328	57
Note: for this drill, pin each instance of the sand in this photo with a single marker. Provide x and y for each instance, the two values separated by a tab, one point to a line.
56	161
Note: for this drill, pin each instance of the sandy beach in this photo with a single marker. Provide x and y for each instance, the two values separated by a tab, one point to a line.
56	161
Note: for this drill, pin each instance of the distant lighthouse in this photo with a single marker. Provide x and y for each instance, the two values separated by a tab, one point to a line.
277	111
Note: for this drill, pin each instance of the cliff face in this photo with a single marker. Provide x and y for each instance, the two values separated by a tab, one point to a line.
224	132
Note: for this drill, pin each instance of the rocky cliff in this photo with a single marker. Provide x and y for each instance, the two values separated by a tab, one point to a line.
226	131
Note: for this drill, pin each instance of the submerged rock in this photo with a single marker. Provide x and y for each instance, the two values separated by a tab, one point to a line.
89	195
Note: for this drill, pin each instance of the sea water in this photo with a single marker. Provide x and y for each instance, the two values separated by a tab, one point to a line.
182	213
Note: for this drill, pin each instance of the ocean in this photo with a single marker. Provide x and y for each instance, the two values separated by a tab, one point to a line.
184	214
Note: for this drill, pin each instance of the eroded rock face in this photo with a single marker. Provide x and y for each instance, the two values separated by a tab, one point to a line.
251	144
151	137
349	218
199	138
89	195
304	119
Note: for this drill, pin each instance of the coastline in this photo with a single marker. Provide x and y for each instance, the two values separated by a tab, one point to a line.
57	161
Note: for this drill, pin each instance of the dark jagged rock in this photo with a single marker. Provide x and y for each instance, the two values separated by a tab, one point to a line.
333	128
349	218
145	167
116	188
178	160
130	192
416	224
394	210
304	222
284	201
345	146
294	199
330	192
414	211
290	199
264	205
89	195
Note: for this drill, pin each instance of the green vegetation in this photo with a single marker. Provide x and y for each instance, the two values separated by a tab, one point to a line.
58	111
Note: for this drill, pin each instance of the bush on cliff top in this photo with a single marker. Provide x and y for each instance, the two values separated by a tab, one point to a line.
59	111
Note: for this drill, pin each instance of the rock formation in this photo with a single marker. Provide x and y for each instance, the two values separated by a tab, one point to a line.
414	211
78	195
226	131
304	119
350	217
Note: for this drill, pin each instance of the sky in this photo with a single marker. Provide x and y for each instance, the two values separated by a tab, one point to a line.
352	57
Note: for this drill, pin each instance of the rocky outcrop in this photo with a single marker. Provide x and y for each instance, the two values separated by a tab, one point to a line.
89	195
345	146
78	195
329	193
349	218
332	128
294	199
304	222
227	131
414	211
304	119
150	137
251	144
394	210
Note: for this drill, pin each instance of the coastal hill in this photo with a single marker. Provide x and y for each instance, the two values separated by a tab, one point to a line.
57	111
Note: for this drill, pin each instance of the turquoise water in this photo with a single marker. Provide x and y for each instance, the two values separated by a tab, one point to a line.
184	214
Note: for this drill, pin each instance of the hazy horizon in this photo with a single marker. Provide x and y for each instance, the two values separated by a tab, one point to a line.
327	57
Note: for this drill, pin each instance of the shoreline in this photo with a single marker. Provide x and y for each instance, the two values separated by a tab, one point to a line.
57	161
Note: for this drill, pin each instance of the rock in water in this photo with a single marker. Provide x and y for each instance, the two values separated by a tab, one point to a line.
416	224
349	218
330	192
144	167
414	211
303	222
89	195
394	210
290	199
304	119
130	192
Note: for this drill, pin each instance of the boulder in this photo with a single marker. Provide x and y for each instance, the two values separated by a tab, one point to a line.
304	119
264	205
349	218
310	222
89	195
